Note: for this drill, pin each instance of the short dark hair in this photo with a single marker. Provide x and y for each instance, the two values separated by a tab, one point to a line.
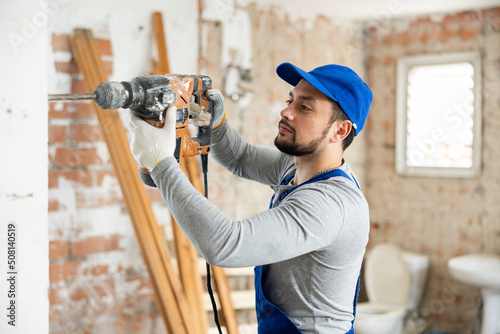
339	115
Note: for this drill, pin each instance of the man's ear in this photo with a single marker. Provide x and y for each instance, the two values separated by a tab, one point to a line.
343	129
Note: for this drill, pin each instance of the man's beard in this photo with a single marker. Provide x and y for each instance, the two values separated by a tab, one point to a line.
297	150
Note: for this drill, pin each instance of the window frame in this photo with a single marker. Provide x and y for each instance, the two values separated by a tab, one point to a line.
404	64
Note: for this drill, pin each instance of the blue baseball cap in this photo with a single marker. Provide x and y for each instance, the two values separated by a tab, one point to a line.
339	83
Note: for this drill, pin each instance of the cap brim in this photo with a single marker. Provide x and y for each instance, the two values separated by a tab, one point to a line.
292	74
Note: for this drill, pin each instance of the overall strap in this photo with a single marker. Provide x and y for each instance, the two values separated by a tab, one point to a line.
319	177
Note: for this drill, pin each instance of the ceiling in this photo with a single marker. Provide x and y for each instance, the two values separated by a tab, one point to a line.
365	10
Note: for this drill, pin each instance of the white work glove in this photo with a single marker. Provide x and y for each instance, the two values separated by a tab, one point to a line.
149	144
202	117
219	114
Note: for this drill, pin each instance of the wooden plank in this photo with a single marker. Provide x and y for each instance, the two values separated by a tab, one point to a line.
161	43
187	256
168	290
223	291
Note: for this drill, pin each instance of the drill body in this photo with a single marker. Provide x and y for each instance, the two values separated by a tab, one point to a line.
149	96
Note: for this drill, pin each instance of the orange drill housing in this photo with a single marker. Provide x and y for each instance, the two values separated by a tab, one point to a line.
148	97
183	87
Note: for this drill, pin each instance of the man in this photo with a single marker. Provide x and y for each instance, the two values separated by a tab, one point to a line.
308	247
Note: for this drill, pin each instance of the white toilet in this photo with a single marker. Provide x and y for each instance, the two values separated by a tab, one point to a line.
394	282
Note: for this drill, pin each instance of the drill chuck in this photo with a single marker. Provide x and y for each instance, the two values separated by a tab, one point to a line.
111	95
147	96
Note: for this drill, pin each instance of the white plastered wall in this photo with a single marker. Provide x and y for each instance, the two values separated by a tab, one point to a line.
128	24
23	167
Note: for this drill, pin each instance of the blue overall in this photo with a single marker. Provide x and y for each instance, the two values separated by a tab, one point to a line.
270	318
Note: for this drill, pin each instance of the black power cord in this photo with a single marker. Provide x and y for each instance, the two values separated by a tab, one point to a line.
204	168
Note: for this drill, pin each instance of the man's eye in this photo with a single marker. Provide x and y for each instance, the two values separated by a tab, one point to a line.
288	102
305	108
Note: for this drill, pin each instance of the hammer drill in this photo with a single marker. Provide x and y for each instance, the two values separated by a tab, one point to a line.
148	97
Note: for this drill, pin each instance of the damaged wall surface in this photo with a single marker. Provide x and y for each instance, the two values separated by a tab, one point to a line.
98	280
438	217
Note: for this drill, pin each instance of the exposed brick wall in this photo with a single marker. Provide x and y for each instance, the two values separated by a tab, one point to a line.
438	217
98	282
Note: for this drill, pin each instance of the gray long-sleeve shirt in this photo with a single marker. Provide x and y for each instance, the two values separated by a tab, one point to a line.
311	245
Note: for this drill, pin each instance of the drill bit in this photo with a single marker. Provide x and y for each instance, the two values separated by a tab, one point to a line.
72	97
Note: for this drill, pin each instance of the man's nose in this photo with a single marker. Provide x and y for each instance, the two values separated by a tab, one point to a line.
287	113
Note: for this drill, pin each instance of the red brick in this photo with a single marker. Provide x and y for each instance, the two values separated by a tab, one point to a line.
64	270
68	67
82	177
420	23
73	110
404	38
53	205
54	298
77	157
84	133
54	314
57	134
104	46
463	17
387	124
447	34
79	87
95	245
431	34
58	249
93	290
62	43
408	38
101	174
470	32
99	269
50	158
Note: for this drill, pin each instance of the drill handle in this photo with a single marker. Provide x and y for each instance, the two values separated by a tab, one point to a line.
204	135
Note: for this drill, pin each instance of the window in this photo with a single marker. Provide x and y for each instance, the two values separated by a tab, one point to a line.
438	131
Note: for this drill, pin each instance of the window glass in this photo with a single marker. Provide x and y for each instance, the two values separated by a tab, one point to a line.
438	115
